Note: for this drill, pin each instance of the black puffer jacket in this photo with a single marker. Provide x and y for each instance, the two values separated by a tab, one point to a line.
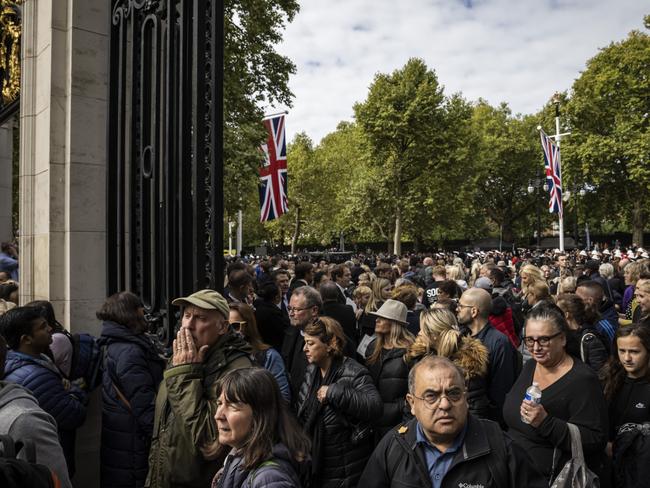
351	400
133	367
390	375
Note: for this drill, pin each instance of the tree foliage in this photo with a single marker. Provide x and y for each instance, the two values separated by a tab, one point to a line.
609	113
255	75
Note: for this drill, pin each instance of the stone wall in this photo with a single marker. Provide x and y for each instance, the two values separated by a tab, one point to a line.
63	131
63	117
6	159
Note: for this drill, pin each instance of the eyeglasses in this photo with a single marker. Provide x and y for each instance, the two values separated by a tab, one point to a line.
460	305
236	326
431	399
296	309
543	341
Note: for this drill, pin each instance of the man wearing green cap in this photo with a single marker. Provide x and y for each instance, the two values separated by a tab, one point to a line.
204	350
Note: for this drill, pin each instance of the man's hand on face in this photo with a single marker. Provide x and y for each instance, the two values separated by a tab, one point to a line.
185	350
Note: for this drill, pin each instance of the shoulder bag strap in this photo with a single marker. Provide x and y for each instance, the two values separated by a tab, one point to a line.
118	392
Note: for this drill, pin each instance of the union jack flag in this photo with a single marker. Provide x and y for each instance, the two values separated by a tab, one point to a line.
553	169
273	171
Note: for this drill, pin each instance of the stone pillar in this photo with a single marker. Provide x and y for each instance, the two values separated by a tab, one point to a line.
6	171
63	117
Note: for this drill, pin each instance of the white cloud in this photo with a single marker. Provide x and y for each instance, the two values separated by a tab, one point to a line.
514	51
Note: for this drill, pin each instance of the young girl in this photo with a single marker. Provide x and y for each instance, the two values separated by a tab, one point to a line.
627	390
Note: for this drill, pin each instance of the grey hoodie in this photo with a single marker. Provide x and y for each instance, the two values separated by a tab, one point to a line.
22	418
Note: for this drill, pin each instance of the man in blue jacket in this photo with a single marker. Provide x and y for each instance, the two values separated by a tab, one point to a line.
29	336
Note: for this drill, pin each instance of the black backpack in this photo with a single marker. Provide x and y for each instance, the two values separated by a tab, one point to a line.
17	473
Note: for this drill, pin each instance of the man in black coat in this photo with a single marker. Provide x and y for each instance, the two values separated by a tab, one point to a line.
444	445
473	311
304	308
343	314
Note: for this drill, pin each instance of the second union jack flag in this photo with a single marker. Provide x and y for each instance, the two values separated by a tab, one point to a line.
553	168
273	171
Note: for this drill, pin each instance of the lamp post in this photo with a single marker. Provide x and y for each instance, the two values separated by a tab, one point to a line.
534	185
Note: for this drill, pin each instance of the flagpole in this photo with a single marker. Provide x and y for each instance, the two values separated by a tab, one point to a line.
558	136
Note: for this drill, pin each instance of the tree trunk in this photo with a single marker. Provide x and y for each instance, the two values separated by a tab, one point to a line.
638	222
397	240
296	231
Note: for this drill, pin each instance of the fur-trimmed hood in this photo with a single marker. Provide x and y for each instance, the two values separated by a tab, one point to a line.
473	357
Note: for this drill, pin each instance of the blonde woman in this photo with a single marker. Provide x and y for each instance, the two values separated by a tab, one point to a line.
456	272
385	361
381	290
440	335
530	274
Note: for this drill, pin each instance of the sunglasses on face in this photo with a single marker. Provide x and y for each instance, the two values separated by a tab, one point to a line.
237	326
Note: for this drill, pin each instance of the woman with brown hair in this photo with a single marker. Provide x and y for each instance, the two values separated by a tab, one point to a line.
267	446
626	380
242	322
387	366
440	335
336	403
133	369
588	345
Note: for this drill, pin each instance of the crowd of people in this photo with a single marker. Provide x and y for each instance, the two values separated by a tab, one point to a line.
381	371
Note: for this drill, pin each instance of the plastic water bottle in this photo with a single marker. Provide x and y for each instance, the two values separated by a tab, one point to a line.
533	394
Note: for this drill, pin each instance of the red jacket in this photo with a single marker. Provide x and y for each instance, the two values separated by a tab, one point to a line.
503	323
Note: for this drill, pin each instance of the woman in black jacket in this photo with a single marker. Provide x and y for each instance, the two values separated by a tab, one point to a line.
387	366
586	343
132	372
336	403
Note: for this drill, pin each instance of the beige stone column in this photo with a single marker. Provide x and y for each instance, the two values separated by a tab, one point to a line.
6	160
63	116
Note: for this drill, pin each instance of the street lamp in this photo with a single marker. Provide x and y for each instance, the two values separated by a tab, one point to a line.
537	183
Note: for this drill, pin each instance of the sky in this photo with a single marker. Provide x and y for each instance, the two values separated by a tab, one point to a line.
514	51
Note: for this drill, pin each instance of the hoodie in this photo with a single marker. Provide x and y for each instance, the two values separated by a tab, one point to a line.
22	419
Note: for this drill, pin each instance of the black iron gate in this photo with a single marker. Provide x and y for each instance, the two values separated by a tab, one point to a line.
165	136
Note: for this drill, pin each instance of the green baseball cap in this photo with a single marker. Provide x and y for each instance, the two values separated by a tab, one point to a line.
205	299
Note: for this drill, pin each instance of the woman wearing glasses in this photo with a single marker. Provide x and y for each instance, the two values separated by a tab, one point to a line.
571	393
242	322
337	401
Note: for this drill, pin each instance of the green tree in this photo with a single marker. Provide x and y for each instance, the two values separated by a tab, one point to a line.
255	74
609	115
508	159
402	119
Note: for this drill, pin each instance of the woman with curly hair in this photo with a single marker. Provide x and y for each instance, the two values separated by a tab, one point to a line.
440	335
626	379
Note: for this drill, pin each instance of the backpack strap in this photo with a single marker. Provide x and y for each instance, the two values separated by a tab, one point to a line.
255	472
